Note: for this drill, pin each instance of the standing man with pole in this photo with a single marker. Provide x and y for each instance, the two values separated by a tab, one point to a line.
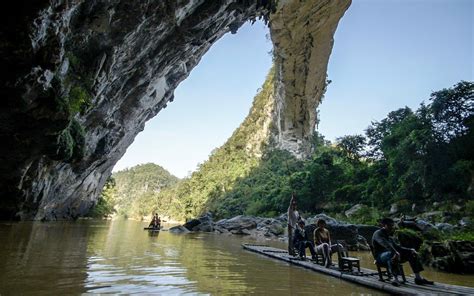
293	217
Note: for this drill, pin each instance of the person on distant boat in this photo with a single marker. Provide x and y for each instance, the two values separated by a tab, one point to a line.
158	222
322	241
301	240
387	252
293	217
154	222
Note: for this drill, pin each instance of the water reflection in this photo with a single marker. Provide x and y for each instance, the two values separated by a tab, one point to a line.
33	259
120	257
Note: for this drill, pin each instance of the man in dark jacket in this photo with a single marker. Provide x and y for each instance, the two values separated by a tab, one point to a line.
302	241
387	251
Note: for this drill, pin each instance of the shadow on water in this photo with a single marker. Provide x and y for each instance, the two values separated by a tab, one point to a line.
37	258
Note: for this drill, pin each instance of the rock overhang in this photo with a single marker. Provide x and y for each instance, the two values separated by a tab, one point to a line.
100	69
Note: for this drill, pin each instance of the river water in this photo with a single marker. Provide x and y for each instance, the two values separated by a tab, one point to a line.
94	256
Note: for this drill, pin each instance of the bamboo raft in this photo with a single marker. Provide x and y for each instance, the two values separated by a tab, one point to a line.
366	277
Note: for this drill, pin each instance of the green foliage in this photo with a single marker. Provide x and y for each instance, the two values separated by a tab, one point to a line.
64	145
138	190
409	238
80	83
453	110
469	209
78	135
401	159
70	142
211	187
408	232
352	146
106	203
79	99
464	235
433	234
73	60
366	215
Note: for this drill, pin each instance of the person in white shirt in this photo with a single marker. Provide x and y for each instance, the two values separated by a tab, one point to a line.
293	217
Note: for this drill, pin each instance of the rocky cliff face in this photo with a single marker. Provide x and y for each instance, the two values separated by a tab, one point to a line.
302	34
81	78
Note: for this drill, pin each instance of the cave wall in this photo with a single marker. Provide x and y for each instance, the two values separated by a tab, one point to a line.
81	78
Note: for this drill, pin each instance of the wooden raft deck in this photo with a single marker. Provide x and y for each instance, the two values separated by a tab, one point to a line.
367	277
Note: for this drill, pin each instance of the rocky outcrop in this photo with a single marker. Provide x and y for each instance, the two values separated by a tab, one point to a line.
451	256
356	237
203	223
353	210
238	223
366	231
81	78
178	229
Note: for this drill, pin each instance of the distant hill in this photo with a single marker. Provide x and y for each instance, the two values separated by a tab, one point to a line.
136	189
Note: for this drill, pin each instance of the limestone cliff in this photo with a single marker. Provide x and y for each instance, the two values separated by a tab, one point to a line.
81	78
302	34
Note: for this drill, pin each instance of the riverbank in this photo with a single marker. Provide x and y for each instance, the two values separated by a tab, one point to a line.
455	256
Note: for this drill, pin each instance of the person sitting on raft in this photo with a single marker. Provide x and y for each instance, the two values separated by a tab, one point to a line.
322	240
155	222
301	241
388	252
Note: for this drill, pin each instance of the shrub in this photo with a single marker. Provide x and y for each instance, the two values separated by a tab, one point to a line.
433	234
70	143
409	238
463	235
79	99
470	209
78	135
64	145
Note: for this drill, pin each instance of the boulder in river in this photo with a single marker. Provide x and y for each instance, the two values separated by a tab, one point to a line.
451	256
191	224
238	223
367	231
329	220
203	223
178	229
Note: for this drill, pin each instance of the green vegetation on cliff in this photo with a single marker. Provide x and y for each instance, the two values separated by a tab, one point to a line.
410	157
423	157
209	186
134	192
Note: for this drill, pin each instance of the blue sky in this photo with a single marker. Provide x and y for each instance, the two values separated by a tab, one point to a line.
387	55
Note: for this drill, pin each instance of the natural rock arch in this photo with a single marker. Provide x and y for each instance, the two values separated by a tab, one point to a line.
81	78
